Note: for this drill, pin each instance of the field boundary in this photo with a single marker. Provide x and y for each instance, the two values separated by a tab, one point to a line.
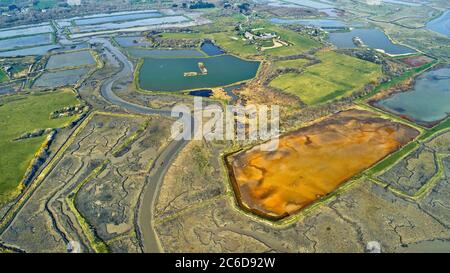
15	208
96	243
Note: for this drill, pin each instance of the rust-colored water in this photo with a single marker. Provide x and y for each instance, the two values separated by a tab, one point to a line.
313	161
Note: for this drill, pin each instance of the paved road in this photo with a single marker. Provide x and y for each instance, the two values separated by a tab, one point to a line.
160	166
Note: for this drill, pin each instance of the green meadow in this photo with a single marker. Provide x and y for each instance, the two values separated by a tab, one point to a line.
230	41
296	63
234	44
298	42
337	75
20	114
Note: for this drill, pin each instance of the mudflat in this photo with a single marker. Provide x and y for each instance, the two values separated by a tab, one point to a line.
313	161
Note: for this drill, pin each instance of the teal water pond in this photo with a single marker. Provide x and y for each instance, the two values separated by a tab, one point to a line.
427	102
168	74
441	24
372	37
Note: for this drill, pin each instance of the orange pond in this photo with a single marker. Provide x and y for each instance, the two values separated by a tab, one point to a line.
313	161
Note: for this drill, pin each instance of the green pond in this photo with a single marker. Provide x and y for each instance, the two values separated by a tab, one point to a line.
169	74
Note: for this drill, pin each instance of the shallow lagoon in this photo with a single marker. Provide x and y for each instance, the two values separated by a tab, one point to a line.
130	41
323	4
35	51
373	38
60	78
399	2
68	21
129	24
25	41
25	30
70	59
97	15
116	18
441	24
168	74
322	23
428	101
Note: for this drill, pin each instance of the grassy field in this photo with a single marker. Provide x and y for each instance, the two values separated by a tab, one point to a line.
229	40
20	114
3	76
337	75
234	44
299	43
221	23
296	63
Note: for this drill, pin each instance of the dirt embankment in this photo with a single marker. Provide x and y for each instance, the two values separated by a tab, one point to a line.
400	87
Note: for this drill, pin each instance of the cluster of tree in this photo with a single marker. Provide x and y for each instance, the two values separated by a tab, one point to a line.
13	7
308	56
280	71
157	41
175	43
244	8
39	160
201	5
49	4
